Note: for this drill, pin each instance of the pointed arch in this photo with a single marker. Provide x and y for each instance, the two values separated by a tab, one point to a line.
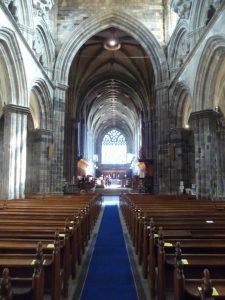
10	51
122	21
26	13
44	51
208	68
42	93
199	14
181	105
179	36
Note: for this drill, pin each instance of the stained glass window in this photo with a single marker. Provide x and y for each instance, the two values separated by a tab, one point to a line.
114	148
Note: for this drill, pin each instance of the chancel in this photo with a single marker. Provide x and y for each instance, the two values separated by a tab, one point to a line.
119	102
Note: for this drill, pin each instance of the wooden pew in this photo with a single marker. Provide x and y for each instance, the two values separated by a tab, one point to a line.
193	266
23	288
182	218
189	244
66	255
72	227
190	289
21	265
16	217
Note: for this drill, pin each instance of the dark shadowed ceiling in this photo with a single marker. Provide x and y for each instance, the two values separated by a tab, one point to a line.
111	88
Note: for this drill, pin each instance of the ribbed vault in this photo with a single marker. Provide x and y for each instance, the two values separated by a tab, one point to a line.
111	88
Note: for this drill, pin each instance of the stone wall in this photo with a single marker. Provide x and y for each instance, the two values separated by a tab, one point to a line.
72	12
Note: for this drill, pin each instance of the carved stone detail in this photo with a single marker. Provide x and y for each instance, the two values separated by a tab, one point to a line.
182	8
38	47
183	50
42	7
13	9
216	3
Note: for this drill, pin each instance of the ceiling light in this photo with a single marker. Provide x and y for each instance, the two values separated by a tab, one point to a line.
112	44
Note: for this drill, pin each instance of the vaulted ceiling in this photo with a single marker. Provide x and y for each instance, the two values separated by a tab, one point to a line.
111	86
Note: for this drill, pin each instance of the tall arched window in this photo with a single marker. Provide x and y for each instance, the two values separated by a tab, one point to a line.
114	148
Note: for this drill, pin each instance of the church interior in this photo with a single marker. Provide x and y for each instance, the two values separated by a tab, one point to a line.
104	101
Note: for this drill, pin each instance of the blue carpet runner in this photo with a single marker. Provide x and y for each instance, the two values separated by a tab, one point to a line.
109	276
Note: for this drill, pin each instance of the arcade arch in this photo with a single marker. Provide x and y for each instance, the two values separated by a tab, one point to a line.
112	79
14	116
39	138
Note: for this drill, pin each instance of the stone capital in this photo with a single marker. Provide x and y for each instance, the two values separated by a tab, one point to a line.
61	86
162	85
42	131
13	108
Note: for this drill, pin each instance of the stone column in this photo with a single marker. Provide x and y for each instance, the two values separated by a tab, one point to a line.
204	124
58	139
68	150
220	191
181	156
161	173
40	169
1	150
14	151
147	138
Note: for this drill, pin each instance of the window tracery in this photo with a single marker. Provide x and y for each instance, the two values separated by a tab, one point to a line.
114	148
114	137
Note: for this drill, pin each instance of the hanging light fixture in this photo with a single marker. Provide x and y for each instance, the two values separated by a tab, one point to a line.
112	43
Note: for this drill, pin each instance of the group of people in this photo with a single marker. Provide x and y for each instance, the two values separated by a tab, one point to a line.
86	183
108	181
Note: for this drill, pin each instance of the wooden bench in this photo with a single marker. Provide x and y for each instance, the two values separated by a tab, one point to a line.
182	219
190	289
73	220
23	288
21	266
193	265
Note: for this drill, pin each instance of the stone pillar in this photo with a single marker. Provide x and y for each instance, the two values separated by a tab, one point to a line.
220	191
147	138
14	151
77	146
58	139
161	169
204	124
68	150
181	156
39	165
1	150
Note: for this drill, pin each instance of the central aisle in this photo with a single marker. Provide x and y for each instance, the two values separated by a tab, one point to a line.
109	276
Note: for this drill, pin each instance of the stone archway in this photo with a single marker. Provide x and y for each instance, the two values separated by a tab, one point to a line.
114	19
81	34
178	47
15	117
39	139
207	71
182	164
209	131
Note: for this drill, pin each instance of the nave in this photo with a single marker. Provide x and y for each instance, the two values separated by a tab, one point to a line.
89	247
